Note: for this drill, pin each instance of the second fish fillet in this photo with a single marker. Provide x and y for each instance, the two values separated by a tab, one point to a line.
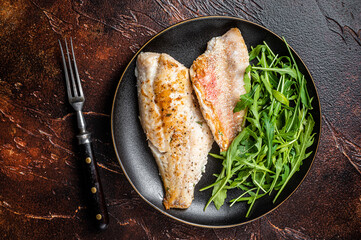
217	77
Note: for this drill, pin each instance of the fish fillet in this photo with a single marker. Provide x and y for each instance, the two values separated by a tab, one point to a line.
217	77
177	134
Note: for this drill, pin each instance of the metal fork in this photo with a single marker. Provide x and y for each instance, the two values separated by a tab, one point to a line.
76	100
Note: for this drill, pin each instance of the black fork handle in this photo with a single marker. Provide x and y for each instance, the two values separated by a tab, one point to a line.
98	208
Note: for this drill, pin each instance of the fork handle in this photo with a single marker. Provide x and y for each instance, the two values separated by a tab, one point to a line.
93	184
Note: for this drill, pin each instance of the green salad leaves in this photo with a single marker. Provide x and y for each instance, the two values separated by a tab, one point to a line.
272	145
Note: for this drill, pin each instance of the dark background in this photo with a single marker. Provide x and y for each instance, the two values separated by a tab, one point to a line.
40	197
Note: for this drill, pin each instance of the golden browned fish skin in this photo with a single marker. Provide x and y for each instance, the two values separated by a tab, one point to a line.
217	77
173	124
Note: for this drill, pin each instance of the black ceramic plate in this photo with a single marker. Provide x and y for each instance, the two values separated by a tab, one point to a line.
185	42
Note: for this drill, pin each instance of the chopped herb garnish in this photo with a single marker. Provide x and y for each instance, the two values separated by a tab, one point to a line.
200	123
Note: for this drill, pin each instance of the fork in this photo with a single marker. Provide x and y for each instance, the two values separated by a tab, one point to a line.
76	99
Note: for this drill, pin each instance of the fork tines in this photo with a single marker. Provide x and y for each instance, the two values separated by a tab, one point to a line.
74	89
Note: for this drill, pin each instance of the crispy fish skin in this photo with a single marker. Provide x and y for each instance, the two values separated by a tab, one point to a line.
217	77
173	124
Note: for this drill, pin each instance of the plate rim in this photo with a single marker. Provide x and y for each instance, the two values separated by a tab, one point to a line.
112	117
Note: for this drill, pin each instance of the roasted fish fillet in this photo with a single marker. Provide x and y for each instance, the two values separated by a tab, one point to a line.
217	77
177	133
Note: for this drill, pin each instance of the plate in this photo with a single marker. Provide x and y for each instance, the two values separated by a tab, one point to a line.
185	41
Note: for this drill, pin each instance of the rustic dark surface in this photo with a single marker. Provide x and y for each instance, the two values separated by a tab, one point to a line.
40	197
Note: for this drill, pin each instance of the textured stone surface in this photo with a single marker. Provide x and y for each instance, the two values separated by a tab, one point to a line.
40	196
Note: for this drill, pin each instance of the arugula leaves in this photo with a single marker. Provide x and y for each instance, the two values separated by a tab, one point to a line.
270	149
